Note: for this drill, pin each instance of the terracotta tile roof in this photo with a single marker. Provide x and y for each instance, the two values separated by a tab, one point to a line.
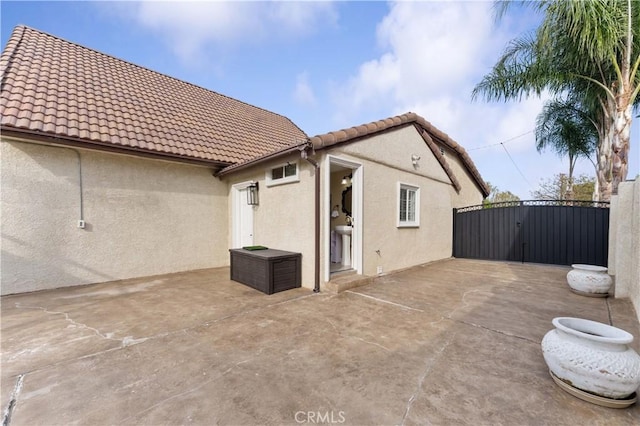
51	87
428	131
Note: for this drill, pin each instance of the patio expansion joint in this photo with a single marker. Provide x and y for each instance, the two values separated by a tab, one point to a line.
349	336
13	400
385	301
492	330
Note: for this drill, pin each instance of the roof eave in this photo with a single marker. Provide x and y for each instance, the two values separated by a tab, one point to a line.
466	159
12	132
262	159
443	162
353	134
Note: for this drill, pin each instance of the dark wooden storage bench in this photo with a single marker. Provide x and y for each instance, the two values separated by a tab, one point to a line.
269	271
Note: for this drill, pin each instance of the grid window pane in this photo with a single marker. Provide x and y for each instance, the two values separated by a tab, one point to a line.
411	206
290	170
403	205
409	203
277	173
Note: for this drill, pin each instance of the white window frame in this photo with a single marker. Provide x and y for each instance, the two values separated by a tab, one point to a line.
269	181
407	223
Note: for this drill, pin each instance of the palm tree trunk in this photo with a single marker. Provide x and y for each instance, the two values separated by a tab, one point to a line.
622	113
572	163
620	145
605	154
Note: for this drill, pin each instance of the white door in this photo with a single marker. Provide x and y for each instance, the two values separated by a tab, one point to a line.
242	219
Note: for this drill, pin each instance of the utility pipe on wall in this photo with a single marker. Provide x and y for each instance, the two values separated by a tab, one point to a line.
314	163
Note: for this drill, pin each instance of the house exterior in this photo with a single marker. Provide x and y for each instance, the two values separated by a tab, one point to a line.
111	171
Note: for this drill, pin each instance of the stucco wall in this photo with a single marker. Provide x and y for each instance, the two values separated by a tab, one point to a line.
143	217
284	218
624	242
386	160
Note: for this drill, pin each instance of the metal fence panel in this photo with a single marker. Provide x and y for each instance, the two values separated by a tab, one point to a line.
554	232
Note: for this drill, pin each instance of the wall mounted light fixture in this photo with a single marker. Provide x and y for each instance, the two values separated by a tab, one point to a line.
346	179
252	194
414	159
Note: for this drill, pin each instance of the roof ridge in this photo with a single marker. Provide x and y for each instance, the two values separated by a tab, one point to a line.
7	56
110	102
26	27
358	132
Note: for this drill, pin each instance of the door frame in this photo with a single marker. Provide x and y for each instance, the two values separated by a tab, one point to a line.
236	199
356	202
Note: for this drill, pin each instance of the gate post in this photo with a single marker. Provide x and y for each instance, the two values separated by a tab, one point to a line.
453	237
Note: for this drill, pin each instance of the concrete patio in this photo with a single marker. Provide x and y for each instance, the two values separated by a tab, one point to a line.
452	342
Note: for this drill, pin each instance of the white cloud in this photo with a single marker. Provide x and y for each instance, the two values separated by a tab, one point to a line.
432	55
433	52
190	26
303	93
515	120
302	16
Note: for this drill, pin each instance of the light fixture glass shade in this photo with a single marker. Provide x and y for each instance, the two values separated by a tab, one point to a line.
252	194
344	180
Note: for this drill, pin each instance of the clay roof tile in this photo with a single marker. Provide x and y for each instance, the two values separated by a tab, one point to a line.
427	131
80	84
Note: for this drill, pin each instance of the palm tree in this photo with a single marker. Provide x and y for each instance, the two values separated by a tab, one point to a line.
569	128
588	48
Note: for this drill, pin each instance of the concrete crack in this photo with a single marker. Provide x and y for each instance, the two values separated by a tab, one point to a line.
107	336
372	343
464	302
8	411
130	341
428	368
186	392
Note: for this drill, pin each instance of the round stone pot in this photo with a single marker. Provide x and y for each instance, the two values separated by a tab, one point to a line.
592	357
589	280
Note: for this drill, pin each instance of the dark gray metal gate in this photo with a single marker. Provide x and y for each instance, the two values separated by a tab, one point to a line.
556	232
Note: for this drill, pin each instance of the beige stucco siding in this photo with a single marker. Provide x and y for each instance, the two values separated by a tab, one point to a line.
624	242
393	247
386	162
394	149
143	217
284	218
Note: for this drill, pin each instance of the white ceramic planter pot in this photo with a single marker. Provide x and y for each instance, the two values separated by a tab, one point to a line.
593	357
589	280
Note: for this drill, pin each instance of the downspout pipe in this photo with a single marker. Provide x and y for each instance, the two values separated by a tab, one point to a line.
314	163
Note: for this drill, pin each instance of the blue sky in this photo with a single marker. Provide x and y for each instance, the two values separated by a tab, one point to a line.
330	65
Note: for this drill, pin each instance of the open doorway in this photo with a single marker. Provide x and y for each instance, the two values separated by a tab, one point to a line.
344	224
